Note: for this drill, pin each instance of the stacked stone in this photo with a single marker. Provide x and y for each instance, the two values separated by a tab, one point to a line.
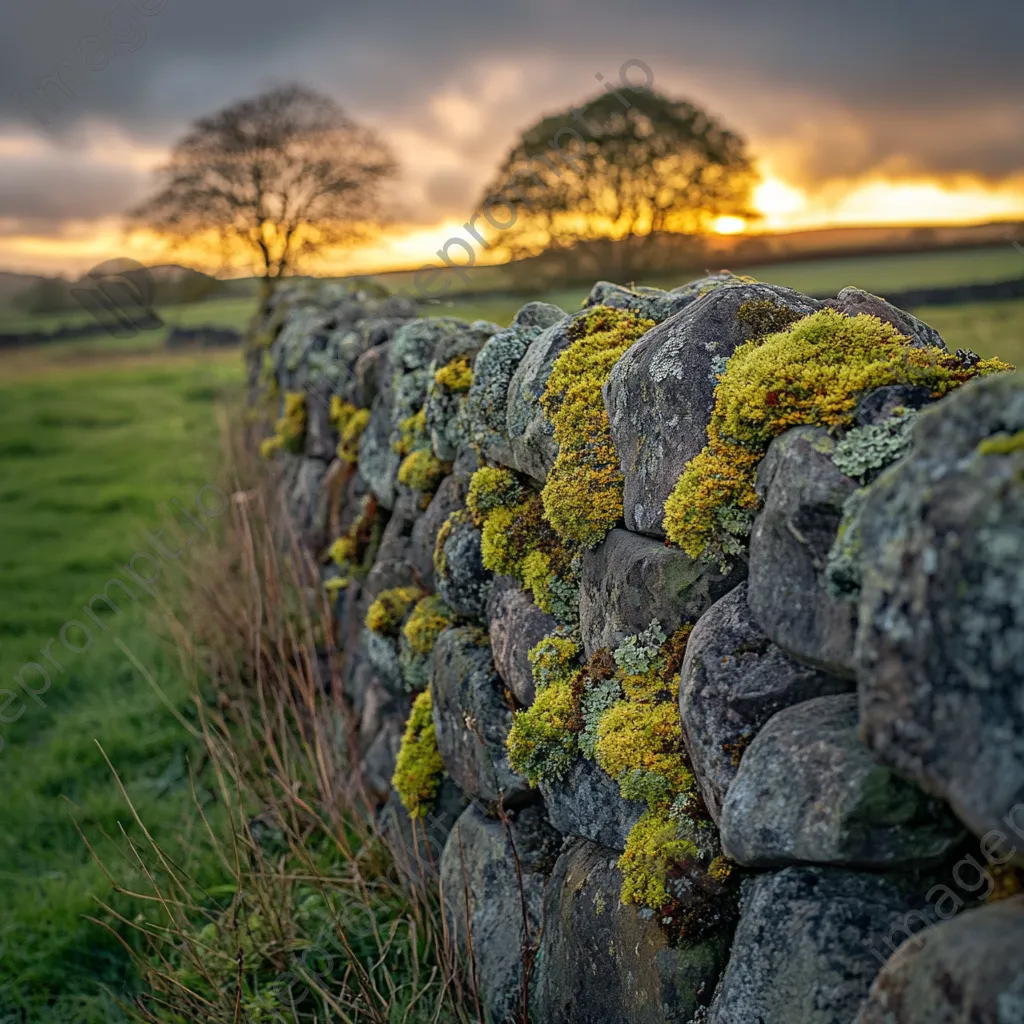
851	695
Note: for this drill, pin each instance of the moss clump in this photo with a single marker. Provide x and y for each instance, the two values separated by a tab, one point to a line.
337	584
1002	444
543	740
412	434
813	373
423	471
516	540
652	847
583	493
354	551
386	614
290	429
419	768
456	376
429	619
350	422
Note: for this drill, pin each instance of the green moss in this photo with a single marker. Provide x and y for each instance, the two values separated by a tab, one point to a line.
290	429
419	768
517	541
813	373
429	619
456	376
412	434
653	848
583	493
386	614
1002	444
423	471
350	422
354	551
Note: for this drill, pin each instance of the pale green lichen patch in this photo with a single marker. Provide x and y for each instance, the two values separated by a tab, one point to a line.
864	451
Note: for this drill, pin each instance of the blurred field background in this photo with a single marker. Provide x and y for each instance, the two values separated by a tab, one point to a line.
97	435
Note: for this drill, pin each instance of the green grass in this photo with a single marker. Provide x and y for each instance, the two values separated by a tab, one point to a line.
89	460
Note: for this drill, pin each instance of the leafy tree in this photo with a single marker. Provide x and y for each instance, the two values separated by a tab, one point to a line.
279	177
627	167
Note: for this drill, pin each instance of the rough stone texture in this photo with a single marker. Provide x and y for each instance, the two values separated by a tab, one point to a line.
732	681
808	790
587	803
966	971
321	437
853	301
487	404
516	626
661	392
802	951
940	648
378	464
803	495
599	960
478	867
464	585
378	764
628	580
369	374
472	719
302	484
423	536
530	434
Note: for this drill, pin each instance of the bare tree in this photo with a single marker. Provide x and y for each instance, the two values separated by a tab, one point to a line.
280	176
622	169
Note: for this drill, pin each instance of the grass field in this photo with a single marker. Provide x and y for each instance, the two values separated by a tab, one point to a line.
89	459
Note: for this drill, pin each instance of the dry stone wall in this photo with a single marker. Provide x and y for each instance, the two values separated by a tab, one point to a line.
690	625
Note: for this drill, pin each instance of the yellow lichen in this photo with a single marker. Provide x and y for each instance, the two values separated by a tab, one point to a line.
290	429
423	471
455	376
1002	444
429	619
419	768
350	422
412	433
491	488
343	551
813	373
385	615
583	493
337	584
353	552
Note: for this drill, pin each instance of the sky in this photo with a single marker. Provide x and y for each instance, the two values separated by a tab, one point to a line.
876	112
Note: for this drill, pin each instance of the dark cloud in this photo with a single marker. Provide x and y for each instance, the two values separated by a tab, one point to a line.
840	90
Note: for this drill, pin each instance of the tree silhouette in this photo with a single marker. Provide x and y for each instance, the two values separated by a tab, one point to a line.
279	176
628	166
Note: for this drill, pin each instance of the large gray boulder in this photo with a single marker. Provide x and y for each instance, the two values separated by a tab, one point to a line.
426	527
529	432
586	802
602	960
486	409
516	625
628	580
661	392
803	495
483	900
732	681
854	301
808	790
966	971
472	718
803	951
940	647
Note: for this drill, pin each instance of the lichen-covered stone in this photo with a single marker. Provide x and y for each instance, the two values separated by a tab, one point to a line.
426	527
630	580
940	647
516	626
602	960
305	499
853	301
481	892
486	409
586	802
809	791
803	495
531	435
653	303
802	951
966	971
472	719
460	575
661	393
732	681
